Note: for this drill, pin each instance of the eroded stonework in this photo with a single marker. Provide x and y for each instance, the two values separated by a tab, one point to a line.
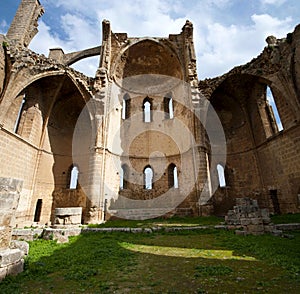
144	137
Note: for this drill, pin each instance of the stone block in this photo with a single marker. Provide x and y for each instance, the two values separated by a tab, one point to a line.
255	228
256	221
136	230
269	228
5	235
3	273
276	233
15	268
10	256
22	245
245	221
68	216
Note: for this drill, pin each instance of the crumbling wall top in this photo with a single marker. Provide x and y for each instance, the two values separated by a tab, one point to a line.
24	25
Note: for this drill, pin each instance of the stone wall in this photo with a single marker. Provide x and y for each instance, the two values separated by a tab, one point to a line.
24	25
248	217
11	261
2	63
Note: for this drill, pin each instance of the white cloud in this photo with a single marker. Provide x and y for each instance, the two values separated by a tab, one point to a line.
219	46
3	27
273	2
46	40
228	46
81	34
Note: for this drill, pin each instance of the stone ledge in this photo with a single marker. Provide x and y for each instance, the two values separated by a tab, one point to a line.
10	256
288	227
26	234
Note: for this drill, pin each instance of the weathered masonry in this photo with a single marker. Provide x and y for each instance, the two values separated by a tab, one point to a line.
144	137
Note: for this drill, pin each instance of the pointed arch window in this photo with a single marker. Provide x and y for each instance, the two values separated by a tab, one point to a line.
74	172
124	177
17	123
148	178
126	106
172	176
275	117
168	106
221	175
147	110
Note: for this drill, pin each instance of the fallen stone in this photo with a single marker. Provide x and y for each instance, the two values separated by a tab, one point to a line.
15	268
10	256
22	245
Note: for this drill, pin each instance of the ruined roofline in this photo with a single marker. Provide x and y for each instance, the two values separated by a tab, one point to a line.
263	65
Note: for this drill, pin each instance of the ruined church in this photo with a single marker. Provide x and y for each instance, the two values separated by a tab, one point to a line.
144	137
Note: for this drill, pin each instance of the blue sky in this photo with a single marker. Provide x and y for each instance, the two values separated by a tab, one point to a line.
227	33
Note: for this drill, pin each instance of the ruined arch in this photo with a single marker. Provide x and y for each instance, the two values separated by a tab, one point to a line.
147	57
53	105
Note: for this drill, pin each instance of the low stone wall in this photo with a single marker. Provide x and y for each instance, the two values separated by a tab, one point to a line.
68	216
248	218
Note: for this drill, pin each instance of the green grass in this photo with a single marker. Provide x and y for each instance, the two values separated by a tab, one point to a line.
286	218
203	261
174	221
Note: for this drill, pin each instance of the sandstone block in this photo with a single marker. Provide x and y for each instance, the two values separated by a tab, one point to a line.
3	273
22	245
256	221
255	228
15	268
10	256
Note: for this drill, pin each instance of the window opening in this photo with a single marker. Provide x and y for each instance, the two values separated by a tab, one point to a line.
126	106
124	177
38	210
148	178
17	124
272	103
221	175
74	177
147	107
168	107
172	176
275	202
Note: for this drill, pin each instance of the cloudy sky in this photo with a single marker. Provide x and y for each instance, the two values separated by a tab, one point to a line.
227	32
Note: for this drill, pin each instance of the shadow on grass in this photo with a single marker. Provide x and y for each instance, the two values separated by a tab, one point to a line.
159	263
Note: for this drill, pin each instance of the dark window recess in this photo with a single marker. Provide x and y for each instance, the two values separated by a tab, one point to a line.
38	210
275	202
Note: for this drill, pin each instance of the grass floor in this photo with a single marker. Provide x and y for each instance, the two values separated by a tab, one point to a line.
174	221
203	261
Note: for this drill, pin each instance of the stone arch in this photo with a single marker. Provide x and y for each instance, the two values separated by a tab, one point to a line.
23	79
147	56
55	102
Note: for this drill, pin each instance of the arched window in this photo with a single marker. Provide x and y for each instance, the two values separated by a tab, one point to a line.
172	176
148	178
221	175
168	106
73	177
126	106
274	111
17	123
147	110
124	177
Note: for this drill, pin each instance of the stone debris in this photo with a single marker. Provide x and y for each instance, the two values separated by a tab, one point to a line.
247	218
